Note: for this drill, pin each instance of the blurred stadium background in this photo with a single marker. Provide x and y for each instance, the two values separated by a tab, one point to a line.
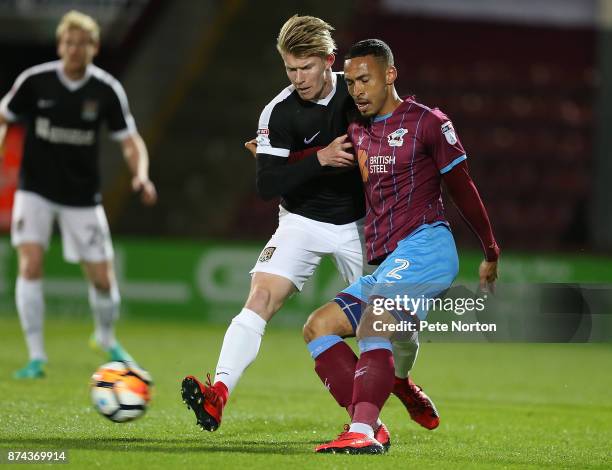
527	84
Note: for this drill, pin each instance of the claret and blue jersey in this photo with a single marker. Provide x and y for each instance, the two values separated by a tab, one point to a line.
402	157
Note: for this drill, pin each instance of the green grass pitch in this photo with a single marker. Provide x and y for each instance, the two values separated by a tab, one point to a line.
502	405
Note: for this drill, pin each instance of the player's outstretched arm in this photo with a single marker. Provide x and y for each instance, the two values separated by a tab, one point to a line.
467	199
137	158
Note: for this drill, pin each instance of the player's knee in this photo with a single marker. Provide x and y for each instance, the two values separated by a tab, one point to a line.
315	326
31	272
102	284
100	275
324	321
31	267
261	300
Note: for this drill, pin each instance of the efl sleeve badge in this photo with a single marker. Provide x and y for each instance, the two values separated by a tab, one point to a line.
449	133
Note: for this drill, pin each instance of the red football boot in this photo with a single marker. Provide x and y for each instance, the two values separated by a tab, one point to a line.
419	406
206	401
382	435
351	443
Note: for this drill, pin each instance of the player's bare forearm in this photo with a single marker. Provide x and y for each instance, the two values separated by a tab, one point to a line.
137	158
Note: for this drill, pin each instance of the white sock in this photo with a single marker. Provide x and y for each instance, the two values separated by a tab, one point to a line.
363	429
405	352
378	423
105	309
240	347
31	309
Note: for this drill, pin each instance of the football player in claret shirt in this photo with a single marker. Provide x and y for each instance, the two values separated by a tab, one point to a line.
405	151
301	156
63	104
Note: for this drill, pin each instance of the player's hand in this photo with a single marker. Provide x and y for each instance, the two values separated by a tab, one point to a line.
335	154
146	188
251	146
487	272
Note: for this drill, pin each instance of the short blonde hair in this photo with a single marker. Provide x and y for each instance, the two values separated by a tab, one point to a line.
305	36
76	19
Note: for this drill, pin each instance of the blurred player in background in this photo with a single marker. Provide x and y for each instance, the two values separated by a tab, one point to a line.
63	104
405	151
302	156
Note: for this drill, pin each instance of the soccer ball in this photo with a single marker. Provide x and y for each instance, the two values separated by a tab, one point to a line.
120	391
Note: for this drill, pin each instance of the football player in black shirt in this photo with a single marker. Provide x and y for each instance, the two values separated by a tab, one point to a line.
302	157
62	105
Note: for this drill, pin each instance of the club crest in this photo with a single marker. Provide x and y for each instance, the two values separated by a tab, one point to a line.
266	254
449	133
90	110
396	138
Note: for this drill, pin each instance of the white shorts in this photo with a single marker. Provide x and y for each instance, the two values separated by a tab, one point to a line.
299	243
85	232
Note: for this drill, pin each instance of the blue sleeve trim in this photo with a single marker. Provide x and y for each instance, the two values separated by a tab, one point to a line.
452	164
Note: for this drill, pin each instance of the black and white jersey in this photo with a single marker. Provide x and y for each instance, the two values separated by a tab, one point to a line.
290	133
62	119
